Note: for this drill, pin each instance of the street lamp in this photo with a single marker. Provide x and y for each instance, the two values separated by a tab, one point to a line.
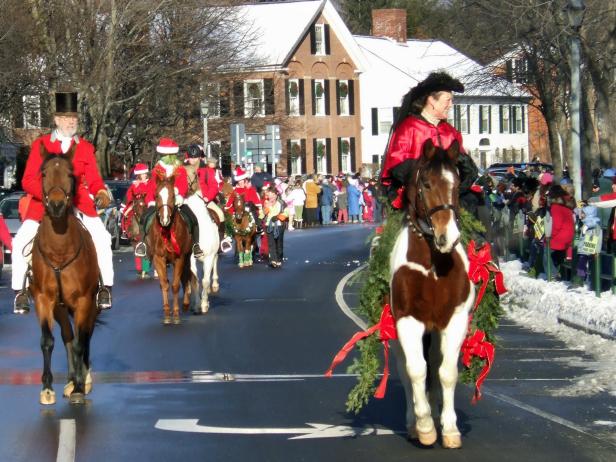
204	115
575	13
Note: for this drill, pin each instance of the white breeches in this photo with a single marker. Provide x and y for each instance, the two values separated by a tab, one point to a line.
27	231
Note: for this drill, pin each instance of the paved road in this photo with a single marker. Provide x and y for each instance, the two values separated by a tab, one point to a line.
217	383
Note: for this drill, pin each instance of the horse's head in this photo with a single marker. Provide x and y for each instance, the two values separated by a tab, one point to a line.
165	199
139	205
58	182
433	195
238	207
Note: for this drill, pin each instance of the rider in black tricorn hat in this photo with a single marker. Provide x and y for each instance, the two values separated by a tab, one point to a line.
422	116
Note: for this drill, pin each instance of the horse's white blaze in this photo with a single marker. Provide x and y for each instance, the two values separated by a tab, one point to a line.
164	197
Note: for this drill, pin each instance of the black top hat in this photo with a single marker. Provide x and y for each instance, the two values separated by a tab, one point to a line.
66	103
194	151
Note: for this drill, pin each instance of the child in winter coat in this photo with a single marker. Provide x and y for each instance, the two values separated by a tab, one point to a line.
589	244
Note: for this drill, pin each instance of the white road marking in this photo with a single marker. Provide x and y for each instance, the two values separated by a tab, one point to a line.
342	304
313	430
67	441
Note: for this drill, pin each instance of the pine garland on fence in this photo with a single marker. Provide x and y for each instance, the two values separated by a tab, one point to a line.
376	286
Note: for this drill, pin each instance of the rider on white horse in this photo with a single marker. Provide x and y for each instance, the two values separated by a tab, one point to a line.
169	165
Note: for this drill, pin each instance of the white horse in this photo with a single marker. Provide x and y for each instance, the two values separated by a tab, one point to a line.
209	241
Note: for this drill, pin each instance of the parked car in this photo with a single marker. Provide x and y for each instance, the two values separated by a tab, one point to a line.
9	207
112	215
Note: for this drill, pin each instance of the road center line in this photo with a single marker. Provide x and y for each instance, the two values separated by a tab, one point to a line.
67	441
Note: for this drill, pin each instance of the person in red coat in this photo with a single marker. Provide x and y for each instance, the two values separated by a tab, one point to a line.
563	224
139	187
210	190
168	165
90	193
422	117
250	194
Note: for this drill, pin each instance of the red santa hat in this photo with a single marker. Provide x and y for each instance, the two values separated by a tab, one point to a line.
140	168
240	174
167	146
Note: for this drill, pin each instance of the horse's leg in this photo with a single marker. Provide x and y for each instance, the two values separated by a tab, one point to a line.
178	268
239	245
47	396
410	333
398	353
66	330
451	341
208	262
215	286
186	283
194	282
161	268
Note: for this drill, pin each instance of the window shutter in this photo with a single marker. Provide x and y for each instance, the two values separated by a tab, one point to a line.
313	93
303	143
337	97
313	41
326	97
268	90
328	154
396	110
314	155
508	70
224	100
489	119
287	104
238	98
468	118
302	108
375	120
352	154
339	155
288	155
500	119
326	33
523	119
351	86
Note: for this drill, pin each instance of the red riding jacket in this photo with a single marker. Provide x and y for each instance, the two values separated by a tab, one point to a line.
181	181
85	170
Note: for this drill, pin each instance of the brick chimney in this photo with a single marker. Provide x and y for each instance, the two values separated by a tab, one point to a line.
389	23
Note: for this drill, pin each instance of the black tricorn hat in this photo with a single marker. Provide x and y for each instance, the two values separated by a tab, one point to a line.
66	104
436	81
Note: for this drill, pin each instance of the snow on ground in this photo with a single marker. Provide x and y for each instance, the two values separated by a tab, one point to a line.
539	305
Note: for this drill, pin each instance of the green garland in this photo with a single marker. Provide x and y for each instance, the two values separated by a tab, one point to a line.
376	286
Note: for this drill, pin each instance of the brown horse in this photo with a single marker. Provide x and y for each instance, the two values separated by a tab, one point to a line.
64	280
133	229
244	230
169	243
430	288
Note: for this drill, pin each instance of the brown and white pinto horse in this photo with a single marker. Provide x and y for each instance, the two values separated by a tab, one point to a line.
169	243
244	230
430	289
64	280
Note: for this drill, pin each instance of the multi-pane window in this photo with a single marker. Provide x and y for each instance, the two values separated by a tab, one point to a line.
319	39
345	155
459	118
386	120
505	118
295	157
518	119
319	97
294	97
253	98
343	97
321	155
32	111
485	119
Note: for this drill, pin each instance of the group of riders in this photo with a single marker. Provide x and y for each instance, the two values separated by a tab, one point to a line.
193	175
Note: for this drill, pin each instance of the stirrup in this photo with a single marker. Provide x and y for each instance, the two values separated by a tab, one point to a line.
103	298
225	244
21	304
140	249
197	252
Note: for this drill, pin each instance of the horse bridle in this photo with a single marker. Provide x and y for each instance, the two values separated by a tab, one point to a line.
423	226
171	215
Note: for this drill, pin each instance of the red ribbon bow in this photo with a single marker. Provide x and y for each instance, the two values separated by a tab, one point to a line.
477	345
170	240
398	203
387	328
481	264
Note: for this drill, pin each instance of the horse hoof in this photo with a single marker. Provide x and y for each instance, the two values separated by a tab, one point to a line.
47	396
205	309
68	389
77	398
176	321
88	386
452	441
427	438
241	265
215	289
167	320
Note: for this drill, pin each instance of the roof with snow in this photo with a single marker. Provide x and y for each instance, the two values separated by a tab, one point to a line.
415	59
280	27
